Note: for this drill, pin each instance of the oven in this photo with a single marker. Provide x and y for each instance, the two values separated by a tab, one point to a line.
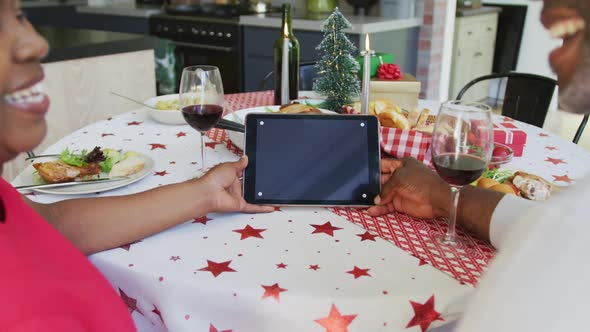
202	40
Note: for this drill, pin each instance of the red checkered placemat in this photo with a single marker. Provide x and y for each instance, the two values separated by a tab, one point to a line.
418	237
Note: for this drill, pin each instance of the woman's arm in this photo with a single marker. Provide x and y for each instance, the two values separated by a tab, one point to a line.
96	224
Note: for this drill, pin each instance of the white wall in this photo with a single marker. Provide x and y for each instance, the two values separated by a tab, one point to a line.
447	56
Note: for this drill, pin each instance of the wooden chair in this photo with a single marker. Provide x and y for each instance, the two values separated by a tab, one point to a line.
527	97
307	74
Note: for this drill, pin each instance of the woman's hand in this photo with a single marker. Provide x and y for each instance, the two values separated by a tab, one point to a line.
408	186
224	188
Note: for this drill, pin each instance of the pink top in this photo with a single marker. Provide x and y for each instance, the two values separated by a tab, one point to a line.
46	284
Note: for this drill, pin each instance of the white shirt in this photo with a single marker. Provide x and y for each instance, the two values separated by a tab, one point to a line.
540	277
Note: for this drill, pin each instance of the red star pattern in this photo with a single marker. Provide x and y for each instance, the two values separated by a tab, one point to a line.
157	312
201	220
214	329
424	314
180	134
161	173
551	148
562	178
107	134
281	266
326	228
314	267
273	291
130	302
336	322
134	123
367	236
543	135
358	272
174	258
217	268
211	145
128	245
555	161
157	146
248	232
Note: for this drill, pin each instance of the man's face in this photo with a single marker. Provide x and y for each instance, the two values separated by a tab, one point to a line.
22	105
569	20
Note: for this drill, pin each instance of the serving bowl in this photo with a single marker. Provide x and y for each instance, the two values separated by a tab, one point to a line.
162	109
502	154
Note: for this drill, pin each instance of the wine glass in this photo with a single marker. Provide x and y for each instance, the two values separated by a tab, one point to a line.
201	100
462	144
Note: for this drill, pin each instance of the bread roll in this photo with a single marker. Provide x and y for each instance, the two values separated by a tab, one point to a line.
127	166
298	108
394	120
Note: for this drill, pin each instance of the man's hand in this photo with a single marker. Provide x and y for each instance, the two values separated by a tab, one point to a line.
408	186
224	188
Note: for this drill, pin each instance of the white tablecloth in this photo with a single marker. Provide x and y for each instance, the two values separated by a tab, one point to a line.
296	269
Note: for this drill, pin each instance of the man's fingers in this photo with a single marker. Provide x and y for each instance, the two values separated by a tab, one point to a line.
380	210
388	166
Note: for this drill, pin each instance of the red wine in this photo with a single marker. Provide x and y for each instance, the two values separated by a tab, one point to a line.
459	169
202	117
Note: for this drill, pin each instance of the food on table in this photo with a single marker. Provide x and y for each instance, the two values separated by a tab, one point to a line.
486	182
171	104
392	116
71	166
129	165
393	120
533	187
504	188
523	184
59	171
298	109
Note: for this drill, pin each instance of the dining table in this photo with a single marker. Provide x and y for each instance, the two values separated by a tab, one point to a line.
297	268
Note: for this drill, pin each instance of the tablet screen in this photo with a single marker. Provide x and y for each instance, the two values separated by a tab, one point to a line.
312	159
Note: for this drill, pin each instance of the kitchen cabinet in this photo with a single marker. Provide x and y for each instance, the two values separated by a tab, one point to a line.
473	53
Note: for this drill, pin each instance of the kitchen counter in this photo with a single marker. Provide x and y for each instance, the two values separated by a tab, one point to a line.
464	12
123	9
70	43
51	3
360	24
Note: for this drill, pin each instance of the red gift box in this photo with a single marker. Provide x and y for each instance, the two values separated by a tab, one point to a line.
506	132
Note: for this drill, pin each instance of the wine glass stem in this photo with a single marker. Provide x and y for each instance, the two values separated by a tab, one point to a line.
203	151
451	235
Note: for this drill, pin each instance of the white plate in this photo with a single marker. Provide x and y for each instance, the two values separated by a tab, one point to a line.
26	178
239	116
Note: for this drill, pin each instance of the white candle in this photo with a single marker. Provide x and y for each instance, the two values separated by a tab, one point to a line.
285	68
366	77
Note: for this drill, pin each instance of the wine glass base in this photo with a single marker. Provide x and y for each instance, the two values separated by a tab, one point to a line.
448	241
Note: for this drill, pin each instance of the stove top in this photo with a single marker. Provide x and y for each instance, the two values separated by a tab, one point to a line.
219	11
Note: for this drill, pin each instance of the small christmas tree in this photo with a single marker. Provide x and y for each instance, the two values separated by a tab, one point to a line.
337	69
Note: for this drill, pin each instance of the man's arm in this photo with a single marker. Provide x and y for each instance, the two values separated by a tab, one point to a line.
96	224
410	187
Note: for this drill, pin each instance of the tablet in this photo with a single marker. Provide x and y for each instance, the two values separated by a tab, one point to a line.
298	159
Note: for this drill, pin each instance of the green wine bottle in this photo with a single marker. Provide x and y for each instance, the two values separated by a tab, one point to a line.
293	58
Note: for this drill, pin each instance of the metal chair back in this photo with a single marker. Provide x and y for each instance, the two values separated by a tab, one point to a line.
527	97
307	75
